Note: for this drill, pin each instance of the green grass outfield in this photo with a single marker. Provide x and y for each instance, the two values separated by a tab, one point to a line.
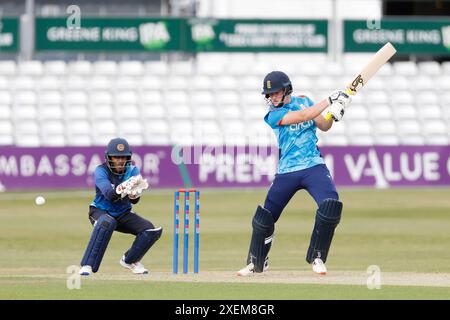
405	232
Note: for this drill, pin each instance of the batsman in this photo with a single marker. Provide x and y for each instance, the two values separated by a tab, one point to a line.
294	120
118	185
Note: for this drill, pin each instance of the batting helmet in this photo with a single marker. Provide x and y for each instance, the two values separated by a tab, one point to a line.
275	81
117	147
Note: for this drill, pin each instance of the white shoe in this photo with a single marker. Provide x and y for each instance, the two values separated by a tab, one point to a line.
85	271
137	267
319	267
250	269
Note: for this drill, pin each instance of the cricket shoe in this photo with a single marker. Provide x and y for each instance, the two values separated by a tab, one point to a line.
85	271
319	267
137	267
250	269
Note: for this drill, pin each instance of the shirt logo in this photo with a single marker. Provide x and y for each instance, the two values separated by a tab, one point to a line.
120	147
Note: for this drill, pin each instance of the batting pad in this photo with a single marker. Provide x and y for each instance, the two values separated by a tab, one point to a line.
143	242
328	217
103	229
262	238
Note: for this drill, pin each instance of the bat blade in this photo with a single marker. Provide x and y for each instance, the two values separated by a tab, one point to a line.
376	62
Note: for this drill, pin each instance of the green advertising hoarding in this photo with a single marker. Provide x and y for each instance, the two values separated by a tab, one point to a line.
190	35
9	34
110	34
408	36
245	35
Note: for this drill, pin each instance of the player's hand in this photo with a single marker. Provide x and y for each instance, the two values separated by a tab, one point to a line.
337	111
341	97
136	191
125	187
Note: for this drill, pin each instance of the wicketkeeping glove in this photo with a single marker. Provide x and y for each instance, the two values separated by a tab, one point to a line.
136	191
127	185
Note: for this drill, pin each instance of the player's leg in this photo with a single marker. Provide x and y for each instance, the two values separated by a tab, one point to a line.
281	191
146	236
104	226
322	188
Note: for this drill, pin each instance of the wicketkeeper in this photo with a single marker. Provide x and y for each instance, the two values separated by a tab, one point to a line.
294	120
118	185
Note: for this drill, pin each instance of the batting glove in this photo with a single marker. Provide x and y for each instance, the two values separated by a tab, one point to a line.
341	97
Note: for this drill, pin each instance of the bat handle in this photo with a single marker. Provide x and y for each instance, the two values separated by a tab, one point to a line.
349	92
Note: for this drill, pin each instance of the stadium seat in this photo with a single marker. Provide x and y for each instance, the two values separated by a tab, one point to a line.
201	82
5	98
99	83
79	140
201	98
337	140
100	97
226	83
156	68
183	68
75	83
8	68
205	112
401	97
151	82
51	97
405	111
130	127
27	140
80	67
429	68
405	68
130	68
126	97
78	127
25	112
5	83
387	140
153	111
99	112
5	112
76	97
126	111
47	112
376	97
157	126
230	111
357	112
105	127
49	83
399	82
126	83
76	111
31	68
105	68
361	140
409	127
55	68
430	111
177	82
379	112
358	128
6	127
24	83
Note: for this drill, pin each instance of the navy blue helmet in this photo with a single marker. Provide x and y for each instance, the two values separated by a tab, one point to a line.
276	81
117	147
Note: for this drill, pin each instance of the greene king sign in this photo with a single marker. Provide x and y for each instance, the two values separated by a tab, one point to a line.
109	34
408	36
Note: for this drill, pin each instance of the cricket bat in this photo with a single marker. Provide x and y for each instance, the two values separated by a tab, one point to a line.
372	67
